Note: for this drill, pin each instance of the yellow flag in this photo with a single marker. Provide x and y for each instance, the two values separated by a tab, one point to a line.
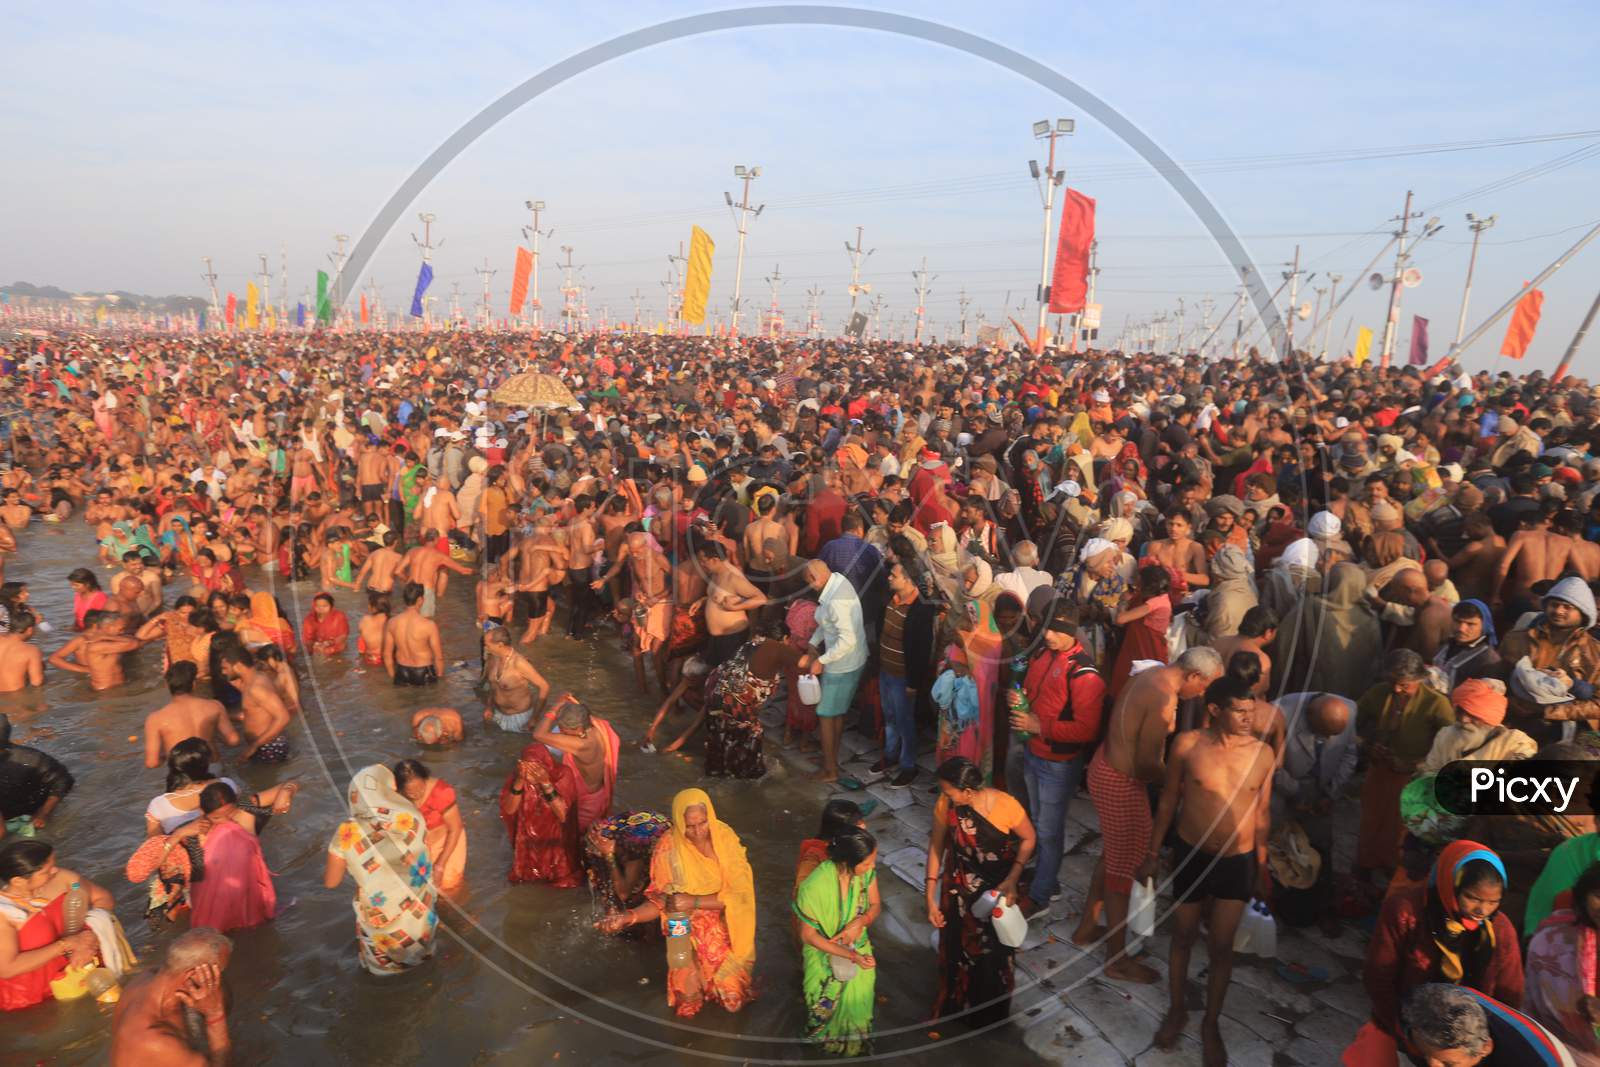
1363	345
252	305
272	318
697	287
661	328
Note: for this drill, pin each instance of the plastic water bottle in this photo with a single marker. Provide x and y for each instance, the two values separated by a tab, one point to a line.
1017	699
680	953
74	909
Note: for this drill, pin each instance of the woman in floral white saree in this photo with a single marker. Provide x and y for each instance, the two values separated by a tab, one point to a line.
382	846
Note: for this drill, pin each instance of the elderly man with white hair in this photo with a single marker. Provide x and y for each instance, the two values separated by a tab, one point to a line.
177	1014
1025	575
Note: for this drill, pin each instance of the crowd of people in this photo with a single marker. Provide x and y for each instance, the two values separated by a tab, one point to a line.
1238	603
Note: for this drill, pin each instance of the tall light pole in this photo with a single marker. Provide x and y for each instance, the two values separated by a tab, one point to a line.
486	274
857	257
533	233
1047	182
336	257
427	246
1477	226
741	217
266	284
211	278
964	301
1327	331
569	294
774	318
922	296
813	319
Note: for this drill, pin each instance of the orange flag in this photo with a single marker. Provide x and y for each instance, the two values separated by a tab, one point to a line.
1525	320
363	309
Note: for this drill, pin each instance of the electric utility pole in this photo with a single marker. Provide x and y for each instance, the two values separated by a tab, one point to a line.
1047	182
427	246
774	318
1392	325
741	217
569	294
1477	226
857	257
336	257
533	233
1327	331
922	296
486	274
211	278
813	318
266	285
964	301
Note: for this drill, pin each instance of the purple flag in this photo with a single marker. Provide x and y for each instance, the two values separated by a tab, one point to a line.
1419	341
424	279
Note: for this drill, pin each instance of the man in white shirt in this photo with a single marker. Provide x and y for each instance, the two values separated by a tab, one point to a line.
1025	575
843	635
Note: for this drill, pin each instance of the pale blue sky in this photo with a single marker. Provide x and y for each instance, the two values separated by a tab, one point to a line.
144	136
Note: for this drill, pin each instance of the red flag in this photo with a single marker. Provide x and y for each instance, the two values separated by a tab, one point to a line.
519	279
227	314
1419	341
1524	321
1069	285
363	309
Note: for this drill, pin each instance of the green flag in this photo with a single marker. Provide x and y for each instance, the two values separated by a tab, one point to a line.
324	304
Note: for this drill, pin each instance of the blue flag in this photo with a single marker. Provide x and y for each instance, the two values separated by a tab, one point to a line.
299	314
200	322
424	279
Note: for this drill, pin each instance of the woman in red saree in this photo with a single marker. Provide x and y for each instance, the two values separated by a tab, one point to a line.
539	805
326	631
34	945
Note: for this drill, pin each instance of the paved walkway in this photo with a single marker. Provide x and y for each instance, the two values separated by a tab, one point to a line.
1071	1015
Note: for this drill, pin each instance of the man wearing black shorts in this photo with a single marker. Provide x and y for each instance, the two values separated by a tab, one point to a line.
1218	787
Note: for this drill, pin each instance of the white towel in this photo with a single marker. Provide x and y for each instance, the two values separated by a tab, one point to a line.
115	952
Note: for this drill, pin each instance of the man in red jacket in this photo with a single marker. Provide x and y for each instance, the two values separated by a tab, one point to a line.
1066	698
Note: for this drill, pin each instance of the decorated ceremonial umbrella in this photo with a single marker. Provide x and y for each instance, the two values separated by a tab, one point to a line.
534	389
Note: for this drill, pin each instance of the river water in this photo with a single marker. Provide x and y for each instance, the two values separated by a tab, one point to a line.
519	976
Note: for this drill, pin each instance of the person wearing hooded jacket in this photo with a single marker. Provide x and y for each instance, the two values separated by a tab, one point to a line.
1558	637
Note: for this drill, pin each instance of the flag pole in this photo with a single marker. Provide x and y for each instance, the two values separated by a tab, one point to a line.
1577	340
1466	342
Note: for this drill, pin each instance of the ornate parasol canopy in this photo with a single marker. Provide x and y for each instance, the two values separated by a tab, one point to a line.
534	389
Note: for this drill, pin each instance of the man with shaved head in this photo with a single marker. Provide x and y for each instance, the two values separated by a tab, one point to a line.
843	640
176	1016
1319	759
1430	613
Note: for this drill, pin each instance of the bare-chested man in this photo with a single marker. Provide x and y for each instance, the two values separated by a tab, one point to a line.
652	600
176	1016
517	691
412	652
1217	790
423	566
1257	630
378	570
302	473
729	599
14	512
373	469
583	543
264	715
1132	756
98	651
437	726
1475	569
149	578
21	662
185	716
592	747
1535	553
1430	626
1585	558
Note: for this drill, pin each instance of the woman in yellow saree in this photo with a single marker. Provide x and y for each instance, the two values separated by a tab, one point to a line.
699	869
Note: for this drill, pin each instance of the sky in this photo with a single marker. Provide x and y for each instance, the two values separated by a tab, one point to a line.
145	136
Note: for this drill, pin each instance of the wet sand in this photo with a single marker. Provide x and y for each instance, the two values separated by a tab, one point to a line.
299	995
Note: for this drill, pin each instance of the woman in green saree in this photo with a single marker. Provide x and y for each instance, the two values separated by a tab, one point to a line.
836	904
